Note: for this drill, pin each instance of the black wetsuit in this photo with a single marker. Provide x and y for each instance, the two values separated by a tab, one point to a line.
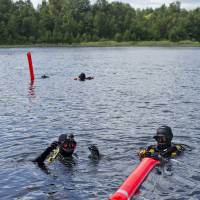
155	152
66	150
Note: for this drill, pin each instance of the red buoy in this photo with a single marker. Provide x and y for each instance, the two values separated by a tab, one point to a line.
30	66
132	183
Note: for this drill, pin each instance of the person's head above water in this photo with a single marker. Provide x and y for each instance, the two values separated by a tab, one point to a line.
82	76
163	137
67	144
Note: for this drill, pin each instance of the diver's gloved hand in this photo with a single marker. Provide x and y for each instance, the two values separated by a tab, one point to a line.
149	154
142	153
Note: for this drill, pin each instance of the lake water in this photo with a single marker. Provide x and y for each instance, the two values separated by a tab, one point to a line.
135	90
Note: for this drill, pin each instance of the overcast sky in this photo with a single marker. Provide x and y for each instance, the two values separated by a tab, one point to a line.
188	4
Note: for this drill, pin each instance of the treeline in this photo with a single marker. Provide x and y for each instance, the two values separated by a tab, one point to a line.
75	21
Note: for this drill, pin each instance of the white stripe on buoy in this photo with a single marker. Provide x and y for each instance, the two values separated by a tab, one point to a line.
123	192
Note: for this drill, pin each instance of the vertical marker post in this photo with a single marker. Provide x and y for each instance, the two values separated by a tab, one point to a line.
30	66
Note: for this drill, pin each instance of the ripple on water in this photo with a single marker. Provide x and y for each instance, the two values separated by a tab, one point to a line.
119	111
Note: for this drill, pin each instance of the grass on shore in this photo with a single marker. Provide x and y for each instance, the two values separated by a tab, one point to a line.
184	43
142	43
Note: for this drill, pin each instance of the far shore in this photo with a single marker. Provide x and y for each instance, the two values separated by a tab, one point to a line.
104	43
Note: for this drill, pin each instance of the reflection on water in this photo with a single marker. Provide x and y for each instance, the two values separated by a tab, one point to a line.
135	90
31	91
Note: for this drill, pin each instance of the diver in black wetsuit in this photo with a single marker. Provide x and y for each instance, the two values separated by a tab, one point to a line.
63	149
82	77
164	147
44	76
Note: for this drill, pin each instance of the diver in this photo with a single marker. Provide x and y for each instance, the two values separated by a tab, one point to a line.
164	149
44	76
63	149
94	152
82	77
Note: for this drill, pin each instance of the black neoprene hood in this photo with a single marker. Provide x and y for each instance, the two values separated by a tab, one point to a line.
165	131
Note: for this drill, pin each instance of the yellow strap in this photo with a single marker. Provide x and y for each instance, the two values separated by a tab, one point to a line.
53	155
173	154
151	150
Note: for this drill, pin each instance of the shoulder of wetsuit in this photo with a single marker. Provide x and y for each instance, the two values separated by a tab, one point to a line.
174	150
151	147
179	148
90	78
54	145
41	158
74	142
169	152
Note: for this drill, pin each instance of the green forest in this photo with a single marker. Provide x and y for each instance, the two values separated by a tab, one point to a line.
76	21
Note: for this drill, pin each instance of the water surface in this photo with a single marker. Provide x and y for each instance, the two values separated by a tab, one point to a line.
135	90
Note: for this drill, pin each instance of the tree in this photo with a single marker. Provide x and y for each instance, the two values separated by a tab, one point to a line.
77	20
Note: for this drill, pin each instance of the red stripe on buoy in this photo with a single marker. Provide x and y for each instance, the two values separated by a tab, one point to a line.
30	66
132	183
